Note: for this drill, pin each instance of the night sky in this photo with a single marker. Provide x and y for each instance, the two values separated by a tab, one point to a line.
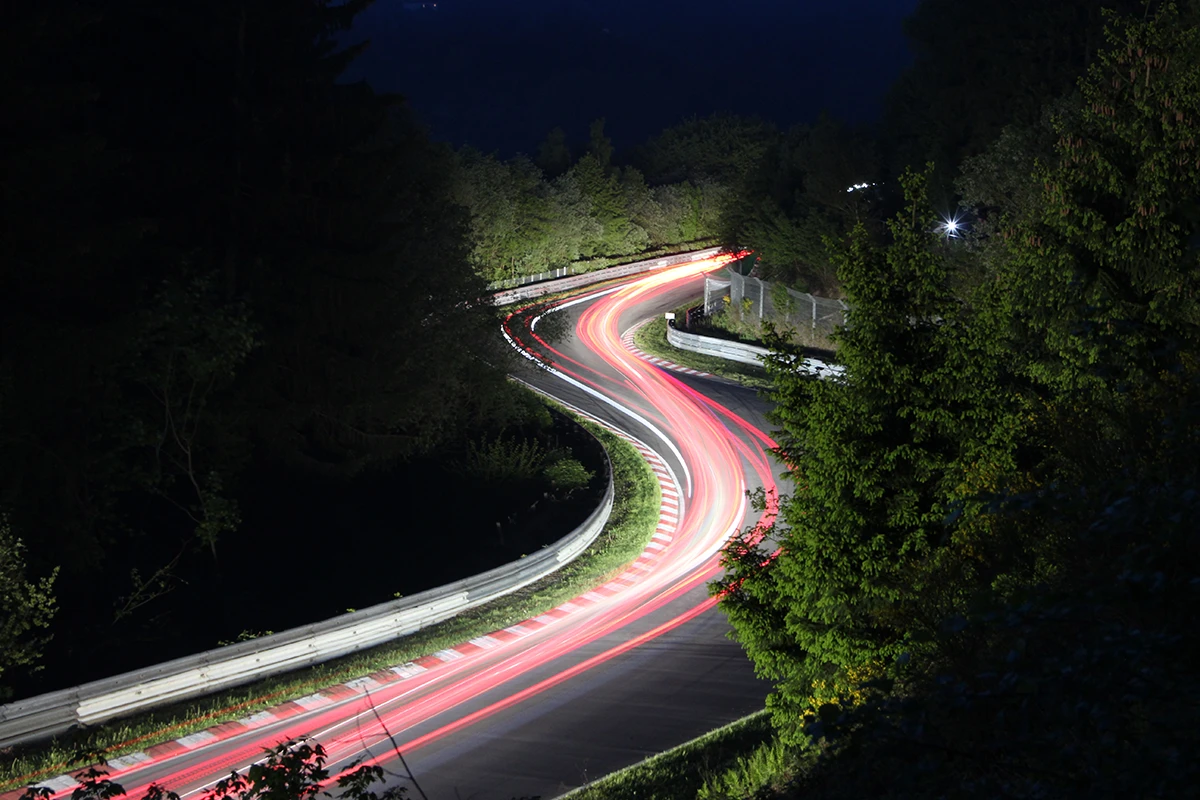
499	74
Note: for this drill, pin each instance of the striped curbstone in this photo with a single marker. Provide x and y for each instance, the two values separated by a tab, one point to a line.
627	340
669	513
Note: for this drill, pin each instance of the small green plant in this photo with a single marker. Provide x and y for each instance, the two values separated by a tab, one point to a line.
767	769
567	475
244	636
502	460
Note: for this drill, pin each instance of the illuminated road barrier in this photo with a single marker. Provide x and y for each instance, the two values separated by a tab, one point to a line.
532	290
737	351
192	676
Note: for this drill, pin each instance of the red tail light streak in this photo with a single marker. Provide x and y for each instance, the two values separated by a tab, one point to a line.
711	453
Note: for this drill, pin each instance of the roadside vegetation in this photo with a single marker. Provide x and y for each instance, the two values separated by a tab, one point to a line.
652	338
986	579
634	517
715	765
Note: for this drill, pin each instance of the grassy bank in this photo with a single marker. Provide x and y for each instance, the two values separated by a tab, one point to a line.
733	761
633	519
652	337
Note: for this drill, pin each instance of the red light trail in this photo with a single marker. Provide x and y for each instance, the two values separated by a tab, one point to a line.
715	451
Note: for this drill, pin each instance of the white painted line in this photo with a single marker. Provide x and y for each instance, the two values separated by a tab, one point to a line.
129	760
408	670
568	607
595	598
258	719
365	682
687	474
197	739
448	655
486	642
60	783
662	537
312	701
546	619
517	630
656	546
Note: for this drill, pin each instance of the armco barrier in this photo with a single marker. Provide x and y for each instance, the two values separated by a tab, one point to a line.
737	351
712	346
586	279
49	714
192	676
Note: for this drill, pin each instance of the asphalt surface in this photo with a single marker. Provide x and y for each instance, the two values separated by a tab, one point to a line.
665	692
639	665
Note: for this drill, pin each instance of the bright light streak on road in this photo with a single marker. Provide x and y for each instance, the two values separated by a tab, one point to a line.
720	456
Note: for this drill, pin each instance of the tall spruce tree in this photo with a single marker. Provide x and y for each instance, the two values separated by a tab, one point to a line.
882	460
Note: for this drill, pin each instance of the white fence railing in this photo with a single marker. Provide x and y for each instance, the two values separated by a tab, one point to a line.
507	296
578	268
192	676
737	351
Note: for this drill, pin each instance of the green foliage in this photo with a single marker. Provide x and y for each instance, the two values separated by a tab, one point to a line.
682	772
292	770
986	579
972	78
1113	244
554	156
768	768
877	459
716	149
568	474
503	460
25	605
796	197
197	279
618	235
527	219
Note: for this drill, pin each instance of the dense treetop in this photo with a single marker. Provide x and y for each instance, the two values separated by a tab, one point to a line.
983	582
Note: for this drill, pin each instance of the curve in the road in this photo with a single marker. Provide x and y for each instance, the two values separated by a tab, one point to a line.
710	456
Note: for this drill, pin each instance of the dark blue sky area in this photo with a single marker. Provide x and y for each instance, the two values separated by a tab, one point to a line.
499	74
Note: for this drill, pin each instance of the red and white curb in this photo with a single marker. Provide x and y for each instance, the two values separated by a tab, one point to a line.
664	533
627	340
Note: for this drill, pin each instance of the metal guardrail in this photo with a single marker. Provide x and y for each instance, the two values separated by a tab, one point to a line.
530	291
712	346
192	676
737	351
578	268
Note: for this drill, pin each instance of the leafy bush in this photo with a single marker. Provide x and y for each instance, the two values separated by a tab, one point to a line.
502	460
768	768
568	475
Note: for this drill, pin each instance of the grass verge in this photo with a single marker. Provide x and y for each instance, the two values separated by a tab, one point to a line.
634	517
681	773
652	337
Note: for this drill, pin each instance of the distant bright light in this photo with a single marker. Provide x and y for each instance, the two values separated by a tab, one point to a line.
950	227
856	187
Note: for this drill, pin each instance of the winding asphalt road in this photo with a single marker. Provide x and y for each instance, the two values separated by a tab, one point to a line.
633	668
